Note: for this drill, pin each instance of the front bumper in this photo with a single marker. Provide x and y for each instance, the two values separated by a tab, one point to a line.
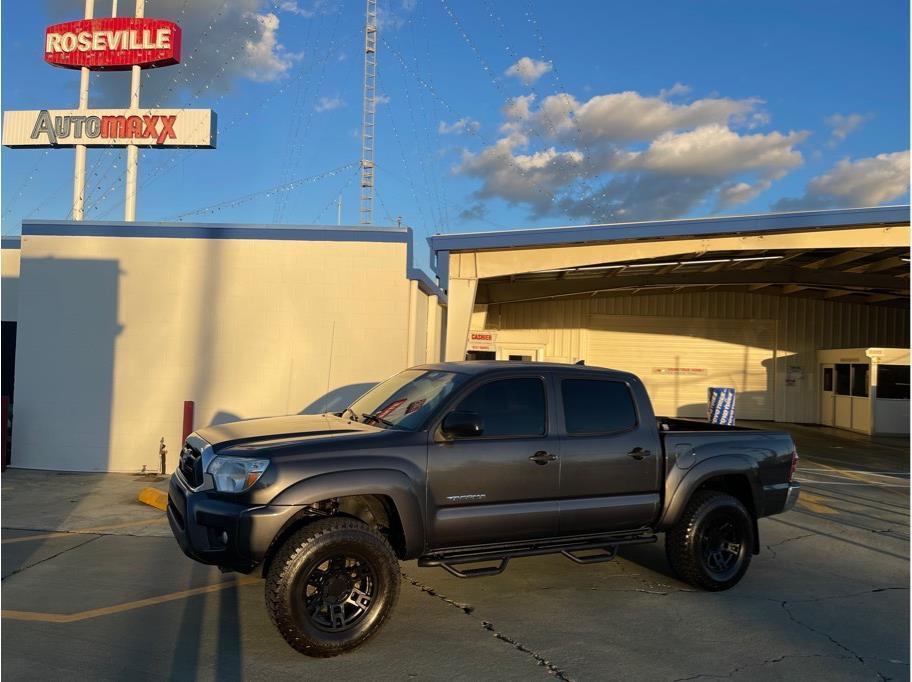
792	497
220	532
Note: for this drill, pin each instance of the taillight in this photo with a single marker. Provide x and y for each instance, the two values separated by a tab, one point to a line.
794	465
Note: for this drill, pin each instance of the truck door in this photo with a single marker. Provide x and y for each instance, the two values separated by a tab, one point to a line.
611	456
501	485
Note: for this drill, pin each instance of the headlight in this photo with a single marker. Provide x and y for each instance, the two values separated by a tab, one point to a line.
236	474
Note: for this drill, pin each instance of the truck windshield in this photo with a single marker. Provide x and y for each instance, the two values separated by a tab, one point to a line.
406	400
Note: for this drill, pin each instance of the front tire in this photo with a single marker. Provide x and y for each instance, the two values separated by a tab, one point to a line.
711	545
332	586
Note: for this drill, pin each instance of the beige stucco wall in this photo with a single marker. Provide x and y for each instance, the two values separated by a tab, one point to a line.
9	291
803	327
115	333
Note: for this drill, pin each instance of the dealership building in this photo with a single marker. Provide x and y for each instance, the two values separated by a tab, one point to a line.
805	315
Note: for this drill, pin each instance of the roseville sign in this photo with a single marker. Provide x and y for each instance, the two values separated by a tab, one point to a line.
110	128
113	44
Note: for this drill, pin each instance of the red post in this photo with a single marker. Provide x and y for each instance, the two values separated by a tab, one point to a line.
5	456
188	421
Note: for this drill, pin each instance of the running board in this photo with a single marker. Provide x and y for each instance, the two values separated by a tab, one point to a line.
605	549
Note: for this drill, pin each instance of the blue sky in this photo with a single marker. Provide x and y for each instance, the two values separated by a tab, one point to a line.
494	114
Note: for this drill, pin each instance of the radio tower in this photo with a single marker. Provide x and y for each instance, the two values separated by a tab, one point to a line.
368	114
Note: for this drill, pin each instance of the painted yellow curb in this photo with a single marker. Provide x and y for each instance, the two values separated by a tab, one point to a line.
154	498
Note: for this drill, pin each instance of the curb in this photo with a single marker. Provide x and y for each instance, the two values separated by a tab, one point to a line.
154	498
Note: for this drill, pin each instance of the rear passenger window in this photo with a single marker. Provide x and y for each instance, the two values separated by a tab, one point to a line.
592	406
509	407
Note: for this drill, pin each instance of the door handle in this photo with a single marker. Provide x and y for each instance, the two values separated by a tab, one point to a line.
639	453
542	457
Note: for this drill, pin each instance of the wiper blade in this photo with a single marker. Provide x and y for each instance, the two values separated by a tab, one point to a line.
378	418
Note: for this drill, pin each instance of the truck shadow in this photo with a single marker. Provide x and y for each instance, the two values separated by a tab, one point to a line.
651	557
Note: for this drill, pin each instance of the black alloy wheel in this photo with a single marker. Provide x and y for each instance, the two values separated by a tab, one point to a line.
332	585
722	545
712	544
339	592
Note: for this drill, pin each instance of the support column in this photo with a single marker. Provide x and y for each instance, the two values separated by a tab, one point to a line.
80	166
460	301
133	150
432	344
412	323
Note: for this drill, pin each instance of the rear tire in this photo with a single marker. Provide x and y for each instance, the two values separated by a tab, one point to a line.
711	545
332	586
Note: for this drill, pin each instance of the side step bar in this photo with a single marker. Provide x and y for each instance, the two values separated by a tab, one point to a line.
605	549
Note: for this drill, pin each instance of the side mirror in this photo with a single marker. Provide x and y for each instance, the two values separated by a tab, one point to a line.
462	425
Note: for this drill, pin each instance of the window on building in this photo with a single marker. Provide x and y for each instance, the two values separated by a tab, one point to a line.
843	379
827	378
893	382
860	380
592	406
509	407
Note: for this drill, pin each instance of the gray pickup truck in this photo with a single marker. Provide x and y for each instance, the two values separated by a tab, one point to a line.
464	466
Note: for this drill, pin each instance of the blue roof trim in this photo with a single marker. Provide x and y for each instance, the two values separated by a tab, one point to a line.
11	242
667	229
322	233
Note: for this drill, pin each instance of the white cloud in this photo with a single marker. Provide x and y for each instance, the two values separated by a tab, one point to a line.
842	126
864	182
463	125
630	156
317	7
676	90
529	70
264	58
383	99
718	151
624	116
328	104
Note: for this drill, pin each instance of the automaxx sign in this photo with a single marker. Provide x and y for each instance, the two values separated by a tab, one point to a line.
110	128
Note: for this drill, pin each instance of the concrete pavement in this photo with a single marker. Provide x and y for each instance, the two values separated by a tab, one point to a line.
826	599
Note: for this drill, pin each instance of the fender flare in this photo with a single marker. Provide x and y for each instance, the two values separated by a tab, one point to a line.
693	478
390	483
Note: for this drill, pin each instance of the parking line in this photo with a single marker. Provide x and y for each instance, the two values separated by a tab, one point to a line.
82	531
35	616
815	503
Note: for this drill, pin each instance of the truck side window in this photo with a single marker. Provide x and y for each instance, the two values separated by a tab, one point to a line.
592	406
509	407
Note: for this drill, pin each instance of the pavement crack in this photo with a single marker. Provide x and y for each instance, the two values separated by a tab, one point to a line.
768	661
53	556
468	610
811	628
786	541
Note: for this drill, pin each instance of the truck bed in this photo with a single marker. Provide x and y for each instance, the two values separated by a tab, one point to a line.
667	424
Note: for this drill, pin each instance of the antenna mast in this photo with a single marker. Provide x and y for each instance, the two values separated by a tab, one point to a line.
368	114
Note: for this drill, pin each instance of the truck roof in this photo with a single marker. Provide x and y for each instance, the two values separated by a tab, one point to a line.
483	366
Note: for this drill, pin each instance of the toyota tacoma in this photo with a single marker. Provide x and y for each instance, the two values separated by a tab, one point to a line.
465	466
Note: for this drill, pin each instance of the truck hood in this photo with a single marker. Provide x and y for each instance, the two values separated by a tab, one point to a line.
280	431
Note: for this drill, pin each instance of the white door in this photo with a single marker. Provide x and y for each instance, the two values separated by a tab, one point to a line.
679	358
827	397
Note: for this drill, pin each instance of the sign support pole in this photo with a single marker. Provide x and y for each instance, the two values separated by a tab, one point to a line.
133	150
80	167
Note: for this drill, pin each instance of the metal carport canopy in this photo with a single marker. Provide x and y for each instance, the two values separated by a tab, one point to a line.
500	259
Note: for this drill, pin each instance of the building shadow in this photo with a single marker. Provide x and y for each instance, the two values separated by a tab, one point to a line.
67	330
338	399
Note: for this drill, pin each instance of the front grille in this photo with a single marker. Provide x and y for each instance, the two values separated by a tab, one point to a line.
191	466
